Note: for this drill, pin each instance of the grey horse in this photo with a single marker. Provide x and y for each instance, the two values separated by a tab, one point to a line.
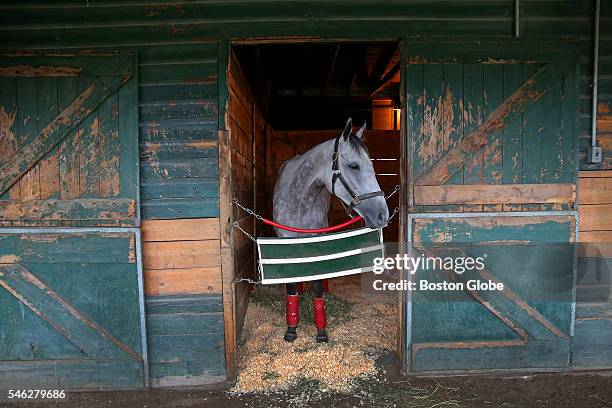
302	197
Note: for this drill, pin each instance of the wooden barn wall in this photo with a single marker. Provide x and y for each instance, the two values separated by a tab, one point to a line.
592	346
247	132
177	46
179	194
152	27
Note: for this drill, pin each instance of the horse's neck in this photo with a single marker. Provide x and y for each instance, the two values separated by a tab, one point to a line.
307	199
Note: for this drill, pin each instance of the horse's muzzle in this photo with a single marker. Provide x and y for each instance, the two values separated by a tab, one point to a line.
374	211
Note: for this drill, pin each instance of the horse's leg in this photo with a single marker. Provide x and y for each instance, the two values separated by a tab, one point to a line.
292	312
318	304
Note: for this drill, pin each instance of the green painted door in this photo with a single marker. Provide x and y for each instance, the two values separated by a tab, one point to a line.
69	283
492	173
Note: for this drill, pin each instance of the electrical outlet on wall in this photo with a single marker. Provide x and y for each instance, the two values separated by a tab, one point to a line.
595	154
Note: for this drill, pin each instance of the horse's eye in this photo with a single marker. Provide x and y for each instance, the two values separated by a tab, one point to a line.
354	166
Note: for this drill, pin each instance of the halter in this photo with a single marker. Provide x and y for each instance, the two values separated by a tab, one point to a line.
355	199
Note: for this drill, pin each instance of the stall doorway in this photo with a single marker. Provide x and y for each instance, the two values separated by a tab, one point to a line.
284	99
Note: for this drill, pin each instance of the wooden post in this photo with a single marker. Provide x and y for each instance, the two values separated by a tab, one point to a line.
227	255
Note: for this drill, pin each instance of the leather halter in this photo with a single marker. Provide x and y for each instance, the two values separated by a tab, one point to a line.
355	199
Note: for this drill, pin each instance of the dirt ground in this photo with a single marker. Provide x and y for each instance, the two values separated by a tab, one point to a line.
360	370
550	390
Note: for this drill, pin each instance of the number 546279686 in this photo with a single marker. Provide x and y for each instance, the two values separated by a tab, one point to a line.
34	394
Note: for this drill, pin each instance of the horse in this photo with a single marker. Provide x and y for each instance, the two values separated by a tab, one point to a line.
339	167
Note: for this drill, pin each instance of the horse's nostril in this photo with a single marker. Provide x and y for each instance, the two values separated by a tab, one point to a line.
381	216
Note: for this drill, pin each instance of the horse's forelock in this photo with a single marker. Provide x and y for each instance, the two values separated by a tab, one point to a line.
358	145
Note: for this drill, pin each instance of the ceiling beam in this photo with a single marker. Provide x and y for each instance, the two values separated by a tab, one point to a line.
385	56
386	80
330	72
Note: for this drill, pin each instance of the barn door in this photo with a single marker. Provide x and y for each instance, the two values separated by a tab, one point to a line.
492	176
69	281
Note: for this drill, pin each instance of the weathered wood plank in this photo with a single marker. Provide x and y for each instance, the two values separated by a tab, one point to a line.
184	347
28	126
184	323
9	141
48	109
450	162
109	147
58	129
159	282
227	253
86	209
494	194
92	248
595	190
72	374
195	229
500	355
88	153
596	173
595	217
189	373
181	254
170	305
591	345
65	64
68	90
180	208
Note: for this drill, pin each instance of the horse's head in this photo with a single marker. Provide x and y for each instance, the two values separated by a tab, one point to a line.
355	167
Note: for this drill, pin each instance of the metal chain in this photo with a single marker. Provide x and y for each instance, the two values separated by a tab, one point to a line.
247	210
236	225
247	280
395	190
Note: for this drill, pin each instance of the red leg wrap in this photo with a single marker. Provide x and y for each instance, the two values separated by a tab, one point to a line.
292	310
300	288
325	286
319	313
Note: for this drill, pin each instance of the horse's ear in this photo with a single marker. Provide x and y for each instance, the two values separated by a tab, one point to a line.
361	132
348	128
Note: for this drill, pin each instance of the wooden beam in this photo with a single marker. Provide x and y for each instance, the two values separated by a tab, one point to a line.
113	209
532	90
58	129
359	55
494	194
227	254
331	71
384	82
382	62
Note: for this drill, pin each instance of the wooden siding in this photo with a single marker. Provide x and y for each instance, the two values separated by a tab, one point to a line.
178	131
247	135
182	279
181	256
592	343
183	24
185	339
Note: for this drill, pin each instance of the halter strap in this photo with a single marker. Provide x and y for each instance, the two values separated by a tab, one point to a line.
337	175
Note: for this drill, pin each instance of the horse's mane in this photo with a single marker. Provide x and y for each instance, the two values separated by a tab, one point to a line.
358	144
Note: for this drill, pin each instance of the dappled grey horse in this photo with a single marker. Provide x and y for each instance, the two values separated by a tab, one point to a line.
302	196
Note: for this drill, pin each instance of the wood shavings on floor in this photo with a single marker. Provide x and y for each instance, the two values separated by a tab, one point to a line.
267	363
